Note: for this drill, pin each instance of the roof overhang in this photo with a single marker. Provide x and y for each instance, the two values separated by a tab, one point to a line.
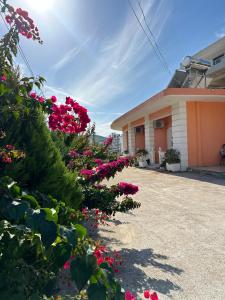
166	98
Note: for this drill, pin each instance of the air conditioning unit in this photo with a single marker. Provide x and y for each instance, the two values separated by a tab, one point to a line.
158	124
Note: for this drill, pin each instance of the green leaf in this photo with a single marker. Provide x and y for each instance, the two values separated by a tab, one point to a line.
61	253
81	269
30	199
81	230
50	214
70	234
36	220
96	291
15	190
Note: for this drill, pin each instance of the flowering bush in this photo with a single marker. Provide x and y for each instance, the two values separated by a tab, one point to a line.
127	188
68	118
20	20
107	170
8	154
107	142
95	217
147	295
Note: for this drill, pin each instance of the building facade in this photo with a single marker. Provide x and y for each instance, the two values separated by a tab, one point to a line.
116	142
189	115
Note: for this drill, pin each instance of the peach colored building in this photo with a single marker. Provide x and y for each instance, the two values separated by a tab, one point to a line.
184	116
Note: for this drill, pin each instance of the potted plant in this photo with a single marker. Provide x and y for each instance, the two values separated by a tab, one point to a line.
141	157
172	159
125	152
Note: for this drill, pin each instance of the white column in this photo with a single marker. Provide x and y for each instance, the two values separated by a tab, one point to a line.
122	144
179	131
131	140
152	142
147	135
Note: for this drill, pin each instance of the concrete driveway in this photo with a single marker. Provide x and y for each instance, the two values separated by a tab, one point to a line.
175	243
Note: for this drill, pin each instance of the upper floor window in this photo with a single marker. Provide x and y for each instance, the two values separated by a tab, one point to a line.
218	59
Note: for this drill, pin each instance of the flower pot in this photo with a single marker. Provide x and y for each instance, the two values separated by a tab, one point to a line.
173	167
142	164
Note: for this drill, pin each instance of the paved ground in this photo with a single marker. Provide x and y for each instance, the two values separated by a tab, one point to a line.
174	243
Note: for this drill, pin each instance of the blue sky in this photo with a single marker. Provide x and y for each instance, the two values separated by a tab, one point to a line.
95	51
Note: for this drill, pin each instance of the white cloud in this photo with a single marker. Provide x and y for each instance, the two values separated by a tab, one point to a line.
104	129
113	70
58	92
69	56
220	34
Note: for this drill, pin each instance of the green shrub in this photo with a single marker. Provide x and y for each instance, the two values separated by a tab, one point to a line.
43	168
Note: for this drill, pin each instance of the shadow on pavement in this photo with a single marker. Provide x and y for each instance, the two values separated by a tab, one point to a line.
214	179
135	279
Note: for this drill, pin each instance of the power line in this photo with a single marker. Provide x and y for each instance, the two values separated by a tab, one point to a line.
165	66
154	39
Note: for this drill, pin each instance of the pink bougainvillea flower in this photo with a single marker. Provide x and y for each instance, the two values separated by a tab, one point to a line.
127	188
154	296
100	260
147	294
3	78
66	266
9	147
129	295
108	141
33	95
87	173
73	153
41	99
7	160
98	161
54	99
88	153
8	19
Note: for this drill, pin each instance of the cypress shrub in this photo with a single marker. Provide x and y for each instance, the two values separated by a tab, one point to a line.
43	168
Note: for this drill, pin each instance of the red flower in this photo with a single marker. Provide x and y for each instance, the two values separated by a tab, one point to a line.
100	260
147	294
7	160
29	35
8	19
73	153
41	99
87	173
88	153
98	161
66	266
127	188
3	78
54	99
33	95
108	141
9	147
129	295
154	296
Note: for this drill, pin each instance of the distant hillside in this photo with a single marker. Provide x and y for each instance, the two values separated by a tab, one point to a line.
99	139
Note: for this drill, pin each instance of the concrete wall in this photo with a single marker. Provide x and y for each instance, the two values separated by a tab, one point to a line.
206	132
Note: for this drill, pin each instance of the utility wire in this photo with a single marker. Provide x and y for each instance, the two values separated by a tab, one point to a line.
165	66
154	39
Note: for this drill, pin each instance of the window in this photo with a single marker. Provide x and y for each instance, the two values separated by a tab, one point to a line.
218	59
